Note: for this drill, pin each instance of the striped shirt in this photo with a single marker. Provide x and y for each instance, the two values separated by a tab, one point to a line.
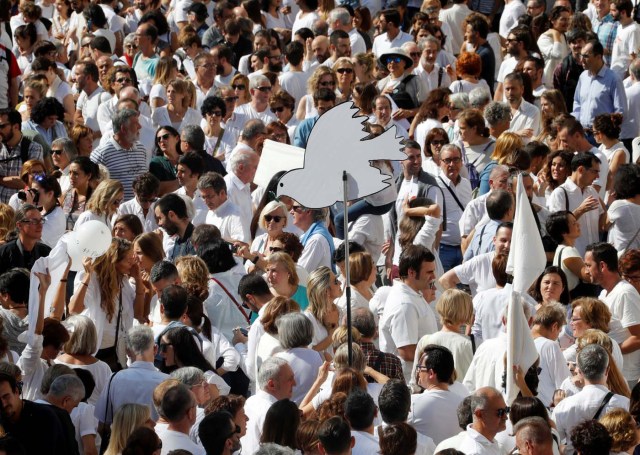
11	164
123	165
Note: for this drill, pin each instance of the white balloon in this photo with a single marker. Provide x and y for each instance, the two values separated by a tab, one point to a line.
92	239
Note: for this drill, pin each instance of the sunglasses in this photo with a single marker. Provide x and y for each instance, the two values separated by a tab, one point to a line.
33	222
394	60
276	218
264	89
164	137
277	109
215	114
503	411
230	99
57	152
124	80
327	84
239	87
344	71
297	208
438	142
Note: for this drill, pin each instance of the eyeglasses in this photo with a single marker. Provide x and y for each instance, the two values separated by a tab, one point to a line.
34	222
451	160
164	346
422	368
275	249
208	66
394	60
230	99
239	87
215	113
297	208
277	109
57	151
275	218
124	80
264	89
147	200
344	71
503	411
438	142
327	84
164	137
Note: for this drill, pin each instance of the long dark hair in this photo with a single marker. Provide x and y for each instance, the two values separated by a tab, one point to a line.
186	350
174	132
281	424
195	312
534	290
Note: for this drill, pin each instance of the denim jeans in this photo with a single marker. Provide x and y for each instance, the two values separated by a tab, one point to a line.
450	256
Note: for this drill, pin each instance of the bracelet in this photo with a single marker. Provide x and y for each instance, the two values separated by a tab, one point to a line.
63	281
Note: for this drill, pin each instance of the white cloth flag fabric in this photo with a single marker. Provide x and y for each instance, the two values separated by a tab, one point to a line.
526	262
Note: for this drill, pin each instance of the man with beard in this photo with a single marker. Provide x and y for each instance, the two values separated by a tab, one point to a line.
140	8
319	52
219	434
123	155
339	46
171	212
223	58
430	73
525	117
15	151
518	44
190	168
21	419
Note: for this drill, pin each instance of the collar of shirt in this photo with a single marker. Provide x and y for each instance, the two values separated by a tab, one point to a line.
187	234
448	181
143	365
408	290
479	438
238	183
221	208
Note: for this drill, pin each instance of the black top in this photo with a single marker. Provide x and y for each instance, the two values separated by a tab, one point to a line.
565	78
43	428
183	245
488	64
12	254
212	164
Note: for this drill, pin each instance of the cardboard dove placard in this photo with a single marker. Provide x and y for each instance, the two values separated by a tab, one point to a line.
336	145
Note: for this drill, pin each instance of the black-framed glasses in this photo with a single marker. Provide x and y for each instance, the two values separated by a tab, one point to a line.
239	87
297	208
215	113
164	346
503	411
207	66
264	89
276	218
344	71
277	109
34	222
455	160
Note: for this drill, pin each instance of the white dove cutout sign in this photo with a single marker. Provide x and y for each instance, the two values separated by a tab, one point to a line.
337	168
337	145
92	239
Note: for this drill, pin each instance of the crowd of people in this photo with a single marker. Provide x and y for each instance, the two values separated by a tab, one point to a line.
219	320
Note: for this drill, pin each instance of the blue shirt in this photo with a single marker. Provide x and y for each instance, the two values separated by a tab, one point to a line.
602	93
482	241
303	131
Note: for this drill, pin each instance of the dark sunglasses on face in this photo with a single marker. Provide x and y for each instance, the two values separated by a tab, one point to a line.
344	71
438	142
239	87
503	411
264	89
277	109
327	84
230	99
215	113
275	249
147	200
164	137
275	218
124	80
57	152
394	60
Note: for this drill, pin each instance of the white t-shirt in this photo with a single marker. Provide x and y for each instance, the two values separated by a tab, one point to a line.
305	364
434	414
625	216
554	368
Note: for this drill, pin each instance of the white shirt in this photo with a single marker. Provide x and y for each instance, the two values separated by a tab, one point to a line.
434	413
316	253
368	231
632	115
477	272
173	440
487	365
508	66
305	364
366	443
133	207
405	319
199	206
624	303
55	225
554	368
476	444
453	17
161	117
527	116
240	194
357	42
382	43
474	212
245	112
451	236
588	221
224	314
430	80
627	42
582	406
88	105
255	408
295	84
625	216
228	218
509	18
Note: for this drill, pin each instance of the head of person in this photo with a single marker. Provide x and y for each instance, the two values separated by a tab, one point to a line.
451	161
399	437
127	227
629	266
607	126
590	438
433	143
601	262
360	410
322	289
192	139
469	64
551	286
394	401
83	338
189	169
396	60
294	331
171	213
276	377
194	378
592	56
254	291
126	420
163	273
282	104
593	362
454	308
489	411
436	105
589	313
533	436
622	428
218	433
178	348
140	343
334	437
417	266
323	99
29	223
412	165
472	125
498	117
281	271
217	255
281	424
143	440
550	319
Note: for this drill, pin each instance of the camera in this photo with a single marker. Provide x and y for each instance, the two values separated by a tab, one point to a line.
22	195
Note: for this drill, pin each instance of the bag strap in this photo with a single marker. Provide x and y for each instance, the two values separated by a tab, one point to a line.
106	409
472	337
238	306
632	239
605	401
566	199
452	194
480	241
440	75
560	258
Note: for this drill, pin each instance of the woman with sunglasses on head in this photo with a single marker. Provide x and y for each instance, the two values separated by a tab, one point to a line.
74	201
165	162
110	291
103	204
322	77
217	140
